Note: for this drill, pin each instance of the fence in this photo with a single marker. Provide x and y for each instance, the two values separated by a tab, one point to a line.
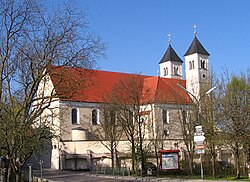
109	171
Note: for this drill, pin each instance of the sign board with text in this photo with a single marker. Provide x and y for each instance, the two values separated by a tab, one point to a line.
199	139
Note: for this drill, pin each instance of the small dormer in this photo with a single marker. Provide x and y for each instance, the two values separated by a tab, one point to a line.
170	64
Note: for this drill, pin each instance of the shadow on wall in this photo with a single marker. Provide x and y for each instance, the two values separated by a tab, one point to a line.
42	156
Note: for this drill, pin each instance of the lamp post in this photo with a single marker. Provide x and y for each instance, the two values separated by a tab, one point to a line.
197	102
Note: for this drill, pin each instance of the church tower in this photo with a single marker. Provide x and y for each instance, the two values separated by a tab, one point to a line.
197	68
170	64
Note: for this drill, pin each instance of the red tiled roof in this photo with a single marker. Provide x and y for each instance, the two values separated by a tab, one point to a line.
82	85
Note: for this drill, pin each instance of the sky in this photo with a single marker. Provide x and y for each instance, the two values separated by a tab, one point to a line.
136	31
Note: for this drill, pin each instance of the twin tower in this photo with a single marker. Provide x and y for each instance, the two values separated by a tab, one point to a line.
196	63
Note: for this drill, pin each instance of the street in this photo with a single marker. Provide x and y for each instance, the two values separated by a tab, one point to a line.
68	176
79	176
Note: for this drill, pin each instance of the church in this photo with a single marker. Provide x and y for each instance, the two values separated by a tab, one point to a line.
78	111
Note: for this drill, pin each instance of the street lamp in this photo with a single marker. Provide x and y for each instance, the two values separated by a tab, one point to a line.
200	138
197	100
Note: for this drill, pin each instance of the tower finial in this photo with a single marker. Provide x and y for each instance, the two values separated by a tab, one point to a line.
169	38
195	29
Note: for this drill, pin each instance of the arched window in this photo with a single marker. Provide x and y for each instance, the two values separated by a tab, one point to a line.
165	71
74	116
165	116
176	70
113	117
192	64
131	117
203	64
95	117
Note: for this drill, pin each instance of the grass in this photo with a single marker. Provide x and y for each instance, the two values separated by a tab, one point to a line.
228	178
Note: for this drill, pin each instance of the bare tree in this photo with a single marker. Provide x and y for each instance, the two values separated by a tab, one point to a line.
128	96
188	121
108	131
31	41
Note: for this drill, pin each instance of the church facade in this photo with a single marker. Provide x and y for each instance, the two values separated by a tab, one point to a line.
78	111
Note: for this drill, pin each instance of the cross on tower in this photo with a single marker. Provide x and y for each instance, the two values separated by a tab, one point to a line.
169	38
195	29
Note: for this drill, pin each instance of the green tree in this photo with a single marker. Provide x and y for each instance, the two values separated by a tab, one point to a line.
234	116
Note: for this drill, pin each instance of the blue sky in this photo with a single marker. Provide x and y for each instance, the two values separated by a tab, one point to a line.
136	31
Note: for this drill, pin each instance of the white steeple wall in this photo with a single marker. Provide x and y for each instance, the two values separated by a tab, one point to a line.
171	69
197	72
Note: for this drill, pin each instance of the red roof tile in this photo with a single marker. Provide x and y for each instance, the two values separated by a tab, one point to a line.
82	85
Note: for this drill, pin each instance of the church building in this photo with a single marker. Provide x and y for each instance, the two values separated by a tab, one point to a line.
82	94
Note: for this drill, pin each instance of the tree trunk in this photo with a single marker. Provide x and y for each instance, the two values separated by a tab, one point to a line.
133	155
157	161
141	149
117	161
190	162
213	165
237	162
112	158
18	177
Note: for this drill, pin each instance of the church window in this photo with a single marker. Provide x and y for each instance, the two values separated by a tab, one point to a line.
203	64
193	64
165	71
165	116
113	117
190	65
95	117
75	116
176	70
131	117
184	116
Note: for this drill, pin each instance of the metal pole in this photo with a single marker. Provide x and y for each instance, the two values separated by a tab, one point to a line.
30	177
41	167
202	176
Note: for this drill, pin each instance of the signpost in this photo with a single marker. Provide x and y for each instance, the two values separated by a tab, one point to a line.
200	146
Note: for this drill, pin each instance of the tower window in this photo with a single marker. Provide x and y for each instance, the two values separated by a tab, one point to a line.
74	116
203	64
176	70
95	117
193	64
165	70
